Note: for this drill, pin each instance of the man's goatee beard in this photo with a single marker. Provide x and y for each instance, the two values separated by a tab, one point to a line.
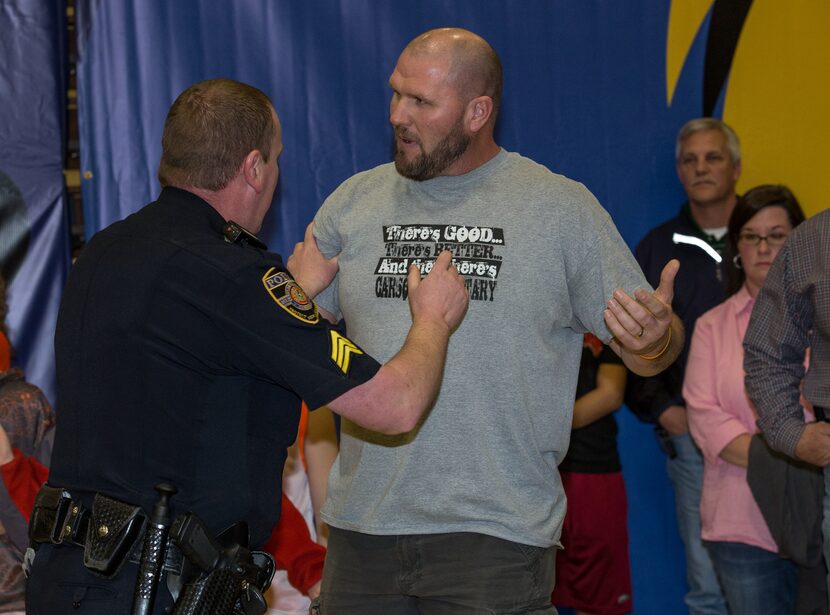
427	166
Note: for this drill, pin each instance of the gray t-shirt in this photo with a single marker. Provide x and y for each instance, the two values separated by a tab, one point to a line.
541	259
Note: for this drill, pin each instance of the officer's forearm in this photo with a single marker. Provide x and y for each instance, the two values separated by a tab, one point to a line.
395	399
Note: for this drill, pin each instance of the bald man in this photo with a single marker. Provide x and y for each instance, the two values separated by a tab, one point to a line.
463	513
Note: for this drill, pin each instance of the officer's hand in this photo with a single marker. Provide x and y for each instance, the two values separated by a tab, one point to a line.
440	295
312	271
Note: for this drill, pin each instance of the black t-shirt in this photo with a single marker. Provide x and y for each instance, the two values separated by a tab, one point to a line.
184	358
593	448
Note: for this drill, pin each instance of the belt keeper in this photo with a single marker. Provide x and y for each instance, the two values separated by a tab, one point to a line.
74	527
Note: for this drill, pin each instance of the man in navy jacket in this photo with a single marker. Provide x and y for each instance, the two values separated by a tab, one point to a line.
708	159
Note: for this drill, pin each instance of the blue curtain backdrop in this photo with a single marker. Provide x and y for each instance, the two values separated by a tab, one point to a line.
34	233
585	95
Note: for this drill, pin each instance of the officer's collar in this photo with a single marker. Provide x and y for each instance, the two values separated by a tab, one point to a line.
193	205
236	233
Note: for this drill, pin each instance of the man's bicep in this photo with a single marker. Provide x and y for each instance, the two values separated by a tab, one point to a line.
329	243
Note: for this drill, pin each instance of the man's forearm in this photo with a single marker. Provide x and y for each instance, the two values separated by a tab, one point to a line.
674	420
396	398
402	390
773	381
592	406
737	451
782	429
604	399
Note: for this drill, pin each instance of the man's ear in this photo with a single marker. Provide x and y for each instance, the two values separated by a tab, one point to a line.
252	169
479	110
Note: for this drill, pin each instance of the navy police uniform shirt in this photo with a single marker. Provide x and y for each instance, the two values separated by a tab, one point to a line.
184	358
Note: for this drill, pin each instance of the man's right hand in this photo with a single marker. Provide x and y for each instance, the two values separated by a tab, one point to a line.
674	420
441	295
814	444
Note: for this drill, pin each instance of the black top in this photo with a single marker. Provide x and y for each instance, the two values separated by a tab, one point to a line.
593	448
698	288
183	358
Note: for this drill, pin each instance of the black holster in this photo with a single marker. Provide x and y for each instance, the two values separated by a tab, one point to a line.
221	576
212	592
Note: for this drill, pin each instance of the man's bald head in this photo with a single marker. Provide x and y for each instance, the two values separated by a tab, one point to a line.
475	68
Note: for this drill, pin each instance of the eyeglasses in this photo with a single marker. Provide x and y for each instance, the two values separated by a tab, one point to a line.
773	239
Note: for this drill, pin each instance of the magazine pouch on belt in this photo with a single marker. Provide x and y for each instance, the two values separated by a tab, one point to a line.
52	505
113	530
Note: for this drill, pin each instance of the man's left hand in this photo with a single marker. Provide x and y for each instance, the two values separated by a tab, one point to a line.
311	270
814	444
639	323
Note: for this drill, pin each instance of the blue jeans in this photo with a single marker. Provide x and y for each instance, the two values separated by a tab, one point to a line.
754	580
435	574
686	474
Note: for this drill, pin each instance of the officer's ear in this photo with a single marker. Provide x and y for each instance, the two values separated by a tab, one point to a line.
252	170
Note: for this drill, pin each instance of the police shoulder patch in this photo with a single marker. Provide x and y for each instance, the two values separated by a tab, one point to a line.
342	349
289	296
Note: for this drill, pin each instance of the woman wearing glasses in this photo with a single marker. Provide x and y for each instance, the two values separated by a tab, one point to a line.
755	579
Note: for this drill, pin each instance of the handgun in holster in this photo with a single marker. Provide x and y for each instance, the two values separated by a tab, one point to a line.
221	576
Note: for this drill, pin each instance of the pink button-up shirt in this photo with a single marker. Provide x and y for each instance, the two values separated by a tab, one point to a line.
719	411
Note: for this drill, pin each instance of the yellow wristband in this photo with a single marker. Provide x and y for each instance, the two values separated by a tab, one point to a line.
663	350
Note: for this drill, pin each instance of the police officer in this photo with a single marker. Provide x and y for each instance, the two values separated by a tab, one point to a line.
184	349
